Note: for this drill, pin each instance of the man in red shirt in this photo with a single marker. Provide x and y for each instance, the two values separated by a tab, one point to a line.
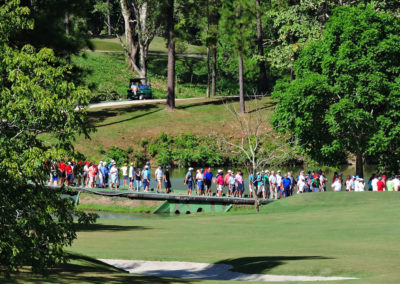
380	184
61	168
68	171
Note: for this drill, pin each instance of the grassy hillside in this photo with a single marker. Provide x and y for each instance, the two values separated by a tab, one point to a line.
330	233
158	44
107	74
126	126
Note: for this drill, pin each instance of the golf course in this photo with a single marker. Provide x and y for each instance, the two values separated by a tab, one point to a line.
316	234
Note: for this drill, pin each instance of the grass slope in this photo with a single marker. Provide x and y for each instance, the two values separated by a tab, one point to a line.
125	126
108	73
158	44
326	234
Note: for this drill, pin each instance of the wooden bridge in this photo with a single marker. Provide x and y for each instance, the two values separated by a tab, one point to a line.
177	203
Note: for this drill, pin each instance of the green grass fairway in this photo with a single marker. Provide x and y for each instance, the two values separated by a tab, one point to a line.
157	45
125	126
328	234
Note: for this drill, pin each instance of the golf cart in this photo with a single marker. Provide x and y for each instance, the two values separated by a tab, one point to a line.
143	92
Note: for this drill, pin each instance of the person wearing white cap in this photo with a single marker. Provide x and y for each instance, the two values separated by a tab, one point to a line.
273	185
189	181
219	180
278	181
114	176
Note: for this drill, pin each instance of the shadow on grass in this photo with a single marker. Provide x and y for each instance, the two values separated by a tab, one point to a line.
101	227
83	269
216	102
99	116
262	264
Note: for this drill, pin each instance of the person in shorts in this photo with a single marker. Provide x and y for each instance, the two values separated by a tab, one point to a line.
159	176
131	176
239	184
219	180
200	181
167	180
114	176
124	170
189	181
208	181
146	178
251	179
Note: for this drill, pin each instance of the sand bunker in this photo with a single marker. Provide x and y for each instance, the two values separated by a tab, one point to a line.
193	270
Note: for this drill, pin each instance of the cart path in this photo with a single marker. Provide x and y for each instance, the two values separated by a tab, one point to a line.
206	271
154	101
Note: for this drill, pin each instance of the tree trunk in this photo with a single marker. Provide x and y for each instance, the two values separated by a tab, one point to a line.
208	73
66	22
359	165
108	18
208	52
131	47
214	71
241	87
262	84
171	58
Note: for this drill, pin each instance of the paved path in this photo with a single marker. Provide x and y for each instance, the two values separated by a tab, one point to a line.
156	101
150	53
193	270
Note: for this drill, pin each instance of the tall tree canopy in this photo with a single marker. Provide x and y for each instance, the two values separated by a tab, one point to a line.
36	96
345	98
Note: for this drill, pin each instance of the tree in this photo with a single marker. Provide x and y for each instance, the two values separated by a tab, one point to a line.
262	81
141	18
58	24
171	56
36	97
259	143
345	98
237	18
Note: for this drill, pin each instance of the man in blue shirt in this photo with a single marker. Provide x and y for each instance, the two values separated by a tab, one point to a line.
286	182
208	181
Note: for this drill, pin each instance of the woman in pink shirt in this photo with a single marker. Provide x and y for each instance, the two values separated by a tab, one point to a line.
220	182
239	184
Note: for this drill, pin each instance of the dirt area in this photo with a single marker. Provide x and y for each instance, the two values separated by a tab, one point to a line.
106	201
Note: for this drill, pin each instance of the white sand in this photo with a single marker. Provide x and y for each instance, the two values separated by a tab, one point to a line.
193	270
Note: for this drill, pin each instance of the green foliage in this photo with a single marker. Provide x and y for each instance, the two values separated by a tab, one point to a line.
346	96
189	150
121	156
37	96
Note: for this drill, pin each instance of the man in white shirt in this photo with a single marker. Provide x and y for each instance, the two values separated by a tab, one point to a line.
396	183
301	183
131	176
374	183
272	185
124	170
159	175
337	185
278	181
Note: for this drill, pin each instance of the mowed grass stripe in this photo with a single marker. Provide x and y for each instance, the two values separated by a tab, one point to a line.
328	234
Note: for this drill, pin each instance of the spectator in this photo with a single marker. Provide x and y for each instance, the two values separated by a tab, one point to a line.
167	181
124	170
189	181
158	174
220	182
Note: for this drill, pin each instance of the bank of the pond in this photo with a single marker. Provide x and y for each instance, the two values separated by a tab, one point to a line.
98	203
